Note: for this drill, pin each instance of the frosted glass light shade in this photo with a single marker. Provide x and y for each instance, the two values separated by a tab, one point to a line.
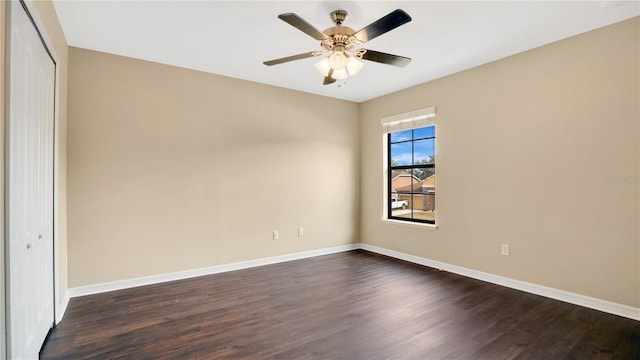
323	67
337	60
354	65
340	74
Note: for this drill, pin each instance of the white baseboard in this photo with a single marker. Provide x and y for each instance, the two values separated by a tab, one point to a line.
62	307
577	299
155	279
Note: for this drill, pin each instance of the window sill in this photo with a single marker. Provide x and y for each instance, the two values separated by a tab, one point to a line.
410	224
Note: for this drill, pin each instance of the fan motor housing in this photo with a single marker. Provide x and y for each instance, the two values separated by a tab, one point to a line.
339	36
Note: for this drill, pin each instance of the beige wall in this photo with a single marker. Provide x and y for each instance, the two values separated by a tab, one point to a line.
540	151
49	26
172	169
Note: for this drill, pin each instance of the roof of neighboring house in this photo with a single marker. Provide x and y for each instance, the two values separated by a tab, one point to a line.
428	185
400	173
430	181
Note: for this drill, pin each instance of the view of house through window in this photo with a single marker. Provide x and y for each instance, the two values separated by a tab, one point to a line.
412	175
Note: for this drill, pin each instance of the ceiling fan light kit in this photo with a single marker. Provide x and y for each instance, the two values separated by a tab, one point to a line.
342	64
340	44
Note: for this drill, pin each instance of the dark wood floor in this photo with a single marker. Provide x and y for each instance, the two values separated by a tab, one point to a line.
353	305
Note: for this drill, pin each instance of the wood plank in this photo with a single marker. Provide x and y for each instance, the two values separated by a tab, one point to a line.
352	305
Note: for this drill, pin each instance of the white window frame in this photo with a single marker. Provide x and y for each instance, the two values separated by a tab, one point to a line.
406	121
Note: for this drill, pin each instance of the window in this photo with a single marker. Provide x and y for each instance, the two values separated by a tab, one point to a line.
411	171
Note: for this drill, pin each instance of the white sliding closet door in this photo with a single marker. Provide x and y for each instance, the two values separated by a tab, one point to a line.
31	78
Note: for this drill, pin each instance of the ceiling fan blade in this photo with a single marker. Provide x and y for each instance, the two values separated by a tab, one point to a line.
382	25
300	24
292	58
385	58
328	79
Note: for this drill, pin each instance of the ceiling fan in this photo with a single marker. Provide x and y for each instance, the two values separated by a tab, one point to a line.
341	43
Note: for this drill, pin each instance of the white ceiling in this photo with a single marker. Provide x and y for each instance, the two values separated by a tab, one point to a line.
233	38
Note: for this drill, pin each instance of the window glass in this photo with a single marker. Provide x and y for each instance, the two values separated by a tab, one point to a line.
401	154
423	151
401	136
412	174
425	132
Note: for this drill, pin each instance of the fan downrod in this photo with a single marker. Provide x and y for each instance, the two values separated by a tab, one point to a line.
338	16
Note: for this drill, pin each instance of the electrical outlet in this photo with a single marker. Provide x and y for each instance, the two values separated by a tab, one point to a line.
505	249
300	232
276	235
